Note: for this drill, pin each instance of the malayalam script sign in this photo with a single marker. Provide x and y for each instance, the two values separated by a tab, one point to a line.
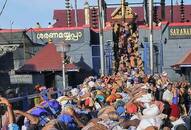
180	32
64	36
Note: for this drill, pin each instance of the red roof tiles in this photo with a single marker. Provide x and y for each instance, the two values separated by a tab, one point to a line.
47	59
60	15
184	61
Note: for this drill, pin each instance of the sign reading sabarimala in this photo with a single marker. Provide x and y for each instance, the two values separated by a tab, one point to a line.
180	32
69	36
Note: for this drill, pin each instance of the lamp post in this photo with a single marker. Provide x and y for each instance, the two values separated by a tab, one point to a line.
151	35
63	48
101	36
11	23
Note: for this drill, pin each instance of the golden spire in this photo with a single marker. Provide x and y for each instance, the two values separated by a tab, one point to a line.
123	8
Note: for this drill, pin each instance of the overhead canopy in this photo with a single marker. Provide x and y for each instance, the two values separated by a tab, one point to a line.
185	61
47	59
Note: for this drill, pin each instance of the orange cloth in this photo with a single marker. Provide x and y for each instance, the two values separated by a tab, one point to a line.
111	98
89	102
131	108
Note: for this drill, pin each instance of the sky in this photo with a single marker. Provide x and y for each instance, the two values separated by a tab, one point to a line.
25	13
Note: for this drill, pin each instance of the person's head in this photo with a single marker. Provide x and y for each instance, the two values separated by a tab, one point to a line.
113	116
55	125
103	113
33	127
166	128
151	128
169	87
97	126
84	118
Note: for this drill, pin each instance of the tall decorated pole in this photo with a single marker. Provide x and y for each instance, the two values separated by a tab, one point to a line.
172	11
101	37
145	4
151	35
103	8
94	17
68	12
123	8
76	13
155	15
182	14
162	10
87	13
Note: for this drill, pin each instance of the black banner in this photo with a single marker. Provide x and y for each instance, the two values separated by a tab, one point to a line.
68	36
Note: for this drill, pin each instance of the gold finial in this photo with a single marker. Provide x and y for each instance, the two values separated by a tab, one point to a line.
123	8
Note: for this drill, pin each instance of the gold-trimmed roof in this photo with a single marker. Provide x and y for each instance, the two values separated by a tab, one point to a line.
129	14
